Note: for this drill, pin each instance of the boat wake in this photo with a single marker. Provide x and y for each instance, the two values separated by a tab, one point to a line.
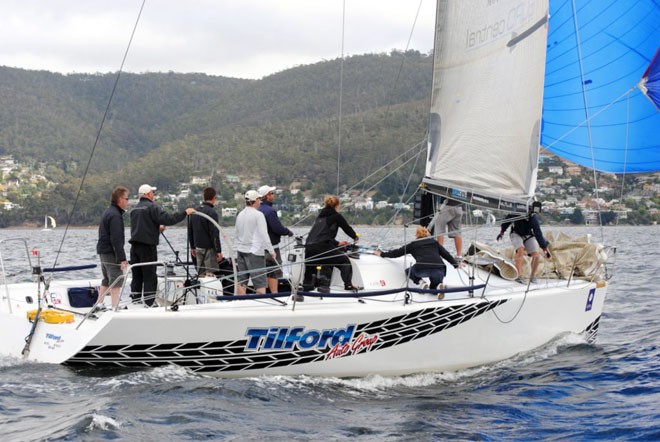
386	386
165	375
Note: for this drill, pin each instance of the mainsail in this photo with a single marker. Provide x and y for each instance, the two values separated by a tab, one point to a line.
486	101
593	114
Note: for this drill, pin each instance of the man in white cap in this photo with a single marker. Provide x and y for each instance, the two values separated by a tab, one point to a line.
148	220
251	242
275	231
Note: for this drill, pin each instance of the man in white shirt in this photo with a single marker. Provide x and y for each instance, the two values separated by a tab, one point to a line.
251	242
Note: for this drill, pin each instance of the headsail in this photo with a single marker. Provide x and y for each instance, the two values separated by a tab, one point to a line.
486	101
592	113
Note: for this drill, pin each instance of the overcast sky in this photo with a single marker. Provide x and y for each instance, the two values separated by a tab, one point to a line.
236	38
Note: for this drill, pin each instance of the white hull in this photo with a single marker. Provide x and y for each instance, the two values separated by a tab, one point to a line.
340	336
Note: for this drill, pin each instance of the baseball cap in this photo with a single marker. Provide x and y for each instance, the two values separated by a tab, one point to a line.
252	195
265	190
146	188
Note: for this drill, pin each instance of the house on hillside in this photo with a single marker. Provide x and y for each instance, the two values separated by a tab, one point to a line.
8	205
200	180
573	170
363	204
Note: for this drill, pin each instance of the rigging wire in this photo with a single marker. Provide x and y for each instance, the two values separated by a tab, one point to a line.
341	92
98	135
625	157
385	166
403	59
586	110
341	79
398	75
412	30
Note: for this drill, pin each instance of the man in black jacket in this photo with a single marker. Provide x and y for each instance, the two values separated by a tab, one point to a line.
110	245
204	237
148	220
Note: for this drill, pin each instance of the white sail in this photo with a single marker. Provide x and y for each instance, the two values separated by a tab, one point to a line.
49	223
487	100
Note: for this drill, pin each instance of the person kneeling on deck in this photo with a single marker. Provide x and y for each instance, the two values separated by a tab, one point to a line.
428	256
526	235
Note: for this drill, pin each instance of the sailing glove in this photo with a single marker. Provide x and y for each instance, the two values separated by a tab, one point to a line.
499	237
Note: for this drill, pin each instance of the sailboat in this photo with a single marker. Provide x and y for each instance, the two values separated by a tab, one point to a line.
49	223
486	120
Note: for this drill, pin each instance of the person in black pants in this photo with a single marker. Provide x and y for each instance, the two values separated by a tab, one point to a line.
428	256
322	249
148	220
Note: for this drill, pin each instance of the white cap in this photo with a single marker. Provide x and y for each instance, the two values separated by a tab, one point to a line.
145	188
265	190
252	195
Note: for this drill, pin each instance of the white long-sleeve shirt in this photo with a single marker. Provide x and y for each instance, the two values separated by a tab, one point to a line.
252	232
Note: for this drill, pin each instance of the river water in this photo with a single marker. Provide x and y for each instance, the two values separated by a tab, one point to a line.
566	390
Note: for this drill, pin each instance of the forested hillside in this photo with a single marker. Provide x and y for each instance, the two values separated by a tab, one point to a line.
164	128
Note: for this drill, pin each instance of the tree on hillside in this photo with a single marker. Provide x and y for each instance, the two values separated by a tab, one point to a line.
577	217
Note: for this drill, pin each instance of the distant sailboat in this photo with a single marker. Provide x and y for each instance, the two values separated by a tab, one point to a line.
49	223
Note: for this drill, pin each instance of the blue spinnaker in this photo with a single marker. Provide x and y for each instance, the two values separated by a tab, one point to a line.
593	113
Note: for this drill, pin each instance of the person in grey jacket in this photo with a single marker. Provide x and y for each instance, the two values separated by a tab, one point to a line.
148	220
110	245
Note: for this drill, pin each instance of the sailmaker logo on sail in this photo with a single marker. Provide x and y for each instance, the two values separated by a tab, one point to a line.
338	341
507	22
